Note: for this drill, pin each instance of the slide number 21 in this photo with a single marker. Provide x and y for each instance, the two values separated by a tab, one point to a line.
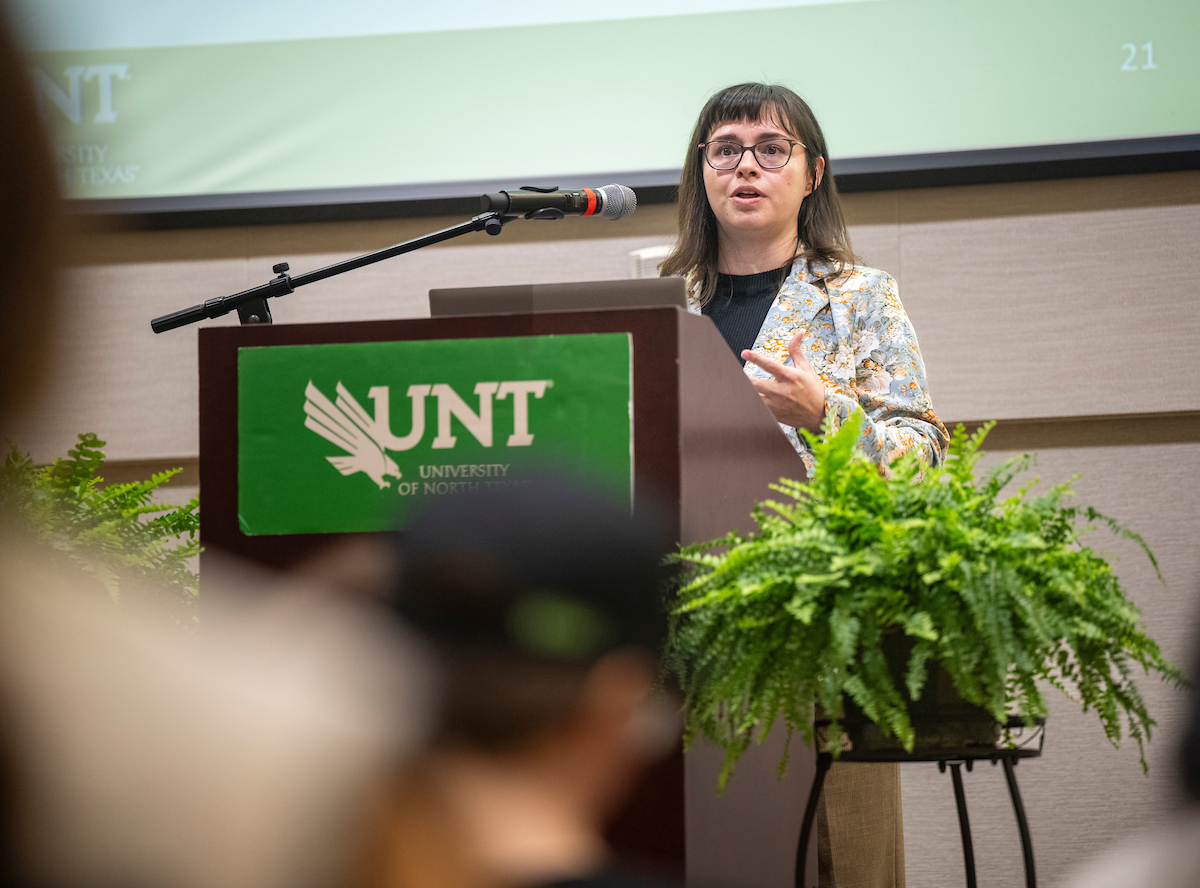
1131	61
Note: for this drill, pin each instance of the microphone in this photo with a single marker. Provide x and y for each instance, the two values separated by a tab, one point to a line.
611	202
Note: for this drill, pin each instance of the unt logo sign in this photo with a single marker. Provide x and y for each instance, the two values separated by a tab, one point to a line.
366	438
354	436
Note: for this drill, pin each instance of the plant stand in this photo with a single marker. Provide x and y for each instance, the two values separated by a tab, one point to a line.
955	758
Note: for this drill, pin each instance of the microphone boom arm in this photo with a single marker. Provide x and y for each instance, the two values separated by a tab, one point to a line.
251	305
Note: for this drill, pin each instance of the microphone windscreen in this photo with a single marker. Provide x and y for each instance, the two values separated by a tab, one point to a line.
619	201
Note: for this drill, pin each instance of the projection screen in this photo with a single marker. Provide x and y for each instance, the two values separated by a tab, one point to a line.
228	102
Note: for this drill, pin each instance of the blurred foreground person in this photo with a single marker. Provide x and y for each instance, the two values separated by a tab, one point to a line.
543	604
242	755
247	753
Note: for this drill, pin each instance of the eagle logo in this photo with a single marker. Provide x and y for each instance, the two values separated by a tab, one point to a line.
345	423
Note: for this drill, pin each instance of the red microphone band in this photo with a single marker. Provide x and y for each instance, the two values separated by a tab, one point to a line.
592	202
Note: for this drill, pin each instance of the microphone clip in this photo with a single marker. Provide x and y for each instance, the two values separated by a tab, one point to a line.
547	212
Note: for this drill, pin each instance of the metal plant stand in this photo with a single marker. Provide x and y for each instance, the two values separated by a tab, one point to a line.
955	759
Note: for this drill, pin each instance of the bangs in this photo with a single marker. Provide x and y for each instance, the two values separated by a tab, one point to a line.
747	101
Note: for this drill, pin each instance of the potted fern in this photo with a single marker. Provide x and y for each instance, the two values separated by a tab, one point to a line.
865	593
116	533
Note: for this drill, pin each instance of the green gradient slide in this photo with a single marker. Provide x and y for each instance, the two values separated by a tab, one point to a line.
435	101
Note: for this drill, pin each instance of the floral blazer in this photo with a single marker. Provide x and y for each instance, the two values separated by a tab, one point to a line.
859	339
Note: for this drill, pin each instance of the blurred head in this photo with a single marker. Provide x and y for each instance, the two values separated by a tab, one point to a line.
802	194
29	236
1191	738
29	229
524	592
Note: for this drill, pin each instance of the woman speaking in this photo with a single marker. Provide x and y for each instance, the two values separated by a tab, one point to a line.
764	248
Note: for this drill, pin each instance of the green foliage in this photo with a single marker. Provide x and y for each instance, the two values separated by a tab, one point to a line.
1001	593
115	532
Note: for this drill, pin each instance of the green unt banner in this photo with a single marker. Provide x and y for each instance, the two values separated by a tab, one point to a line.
357	436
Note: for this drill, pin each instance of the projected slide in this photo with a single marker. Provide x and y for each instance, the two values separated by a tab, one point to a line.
152	99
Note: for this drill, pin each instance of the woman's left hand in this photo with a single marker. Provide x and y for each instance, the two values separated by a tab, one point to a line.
796	396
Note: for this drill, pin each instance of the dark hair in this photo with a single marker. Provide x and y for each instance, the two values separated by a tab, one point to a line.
519	591
820	228
29	233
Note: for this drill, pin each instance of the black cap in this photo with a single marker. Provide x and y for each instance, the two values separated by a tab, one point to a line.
547	568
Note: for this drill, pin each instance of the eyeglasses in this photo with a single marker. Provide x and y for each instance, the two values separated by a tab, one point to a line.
771	154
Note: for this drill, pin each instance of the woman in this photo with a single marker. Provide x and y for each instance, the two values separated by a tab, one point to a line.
765	250
764	247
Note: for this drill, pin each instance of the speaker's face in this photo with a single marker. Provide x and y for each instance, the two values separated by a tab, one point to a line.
749	201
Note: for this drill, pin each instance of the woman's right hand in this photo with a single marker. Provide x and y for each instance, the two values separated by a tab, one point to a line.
796	396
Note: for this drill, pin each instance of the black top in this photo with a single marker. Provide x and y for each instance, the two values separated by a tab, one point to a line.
740	305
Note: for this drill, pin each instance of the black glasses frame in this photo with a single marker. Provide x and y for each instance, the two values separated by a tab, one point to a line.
792	143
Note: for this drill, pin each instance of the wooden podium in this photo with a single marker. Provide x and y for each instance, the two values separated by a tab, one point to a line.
704	446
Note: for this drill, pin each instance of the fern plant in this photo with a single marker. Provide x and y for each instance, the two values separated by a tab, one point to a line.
1001	593
115	532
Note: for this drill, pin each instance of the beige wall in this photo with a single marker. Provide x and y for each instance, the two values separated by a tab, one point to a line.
1036	300
1069	310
